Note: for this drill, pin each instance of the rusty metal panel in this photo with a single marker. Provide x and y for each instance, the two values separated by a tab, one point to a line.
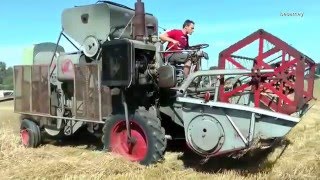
22	85
106	101
86	92
40	89
17	82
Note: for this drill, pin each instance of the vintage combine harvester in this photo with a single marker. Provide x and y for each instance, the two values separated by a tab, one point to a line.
119	86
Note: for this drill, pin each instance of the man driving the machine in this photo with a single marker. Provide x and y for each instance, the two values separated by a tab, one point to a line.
178	40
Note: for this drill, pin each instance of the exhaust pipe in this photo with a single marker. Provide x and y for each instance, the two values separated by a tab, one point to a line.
139	21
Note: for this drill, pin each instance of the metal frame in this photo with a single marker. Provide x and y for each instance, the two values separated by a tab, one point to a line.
253	110
219	72
22	83
239	107
50	72
243	126
295	67
100	119
245	141
34	113
59	117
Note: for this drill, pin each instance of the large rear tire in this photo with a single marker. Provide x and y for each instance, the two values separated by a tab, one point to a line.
150	142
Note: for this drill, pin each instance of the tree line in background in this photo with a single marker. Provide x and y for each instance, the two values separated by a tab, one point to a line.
6	77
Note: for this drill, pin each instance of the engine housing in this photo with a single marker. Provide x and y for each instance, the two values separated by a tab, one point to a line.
127	62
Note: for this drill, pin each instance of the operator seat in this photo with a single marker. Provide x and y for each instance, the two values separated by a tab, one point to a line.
167	72
171	68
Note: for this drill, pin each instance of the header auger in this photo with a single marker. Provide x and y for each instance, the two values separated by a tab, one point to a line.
119	86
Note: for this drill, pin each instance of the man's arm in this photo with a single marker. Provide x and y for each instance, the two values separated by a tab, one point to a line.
166	38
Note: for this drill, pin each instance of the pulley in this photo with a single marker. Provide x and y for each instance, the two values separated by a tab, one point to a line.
91	46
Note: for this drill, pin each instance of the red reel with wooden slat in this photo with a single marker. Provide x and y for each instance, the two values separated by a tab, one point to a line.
286	90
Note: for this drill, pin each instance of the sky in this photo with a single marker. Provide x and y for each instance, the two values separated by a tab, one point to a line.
217	23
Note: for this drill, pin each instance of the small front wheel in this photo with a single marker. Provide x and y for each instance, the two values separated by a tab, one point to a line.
147	144
30	133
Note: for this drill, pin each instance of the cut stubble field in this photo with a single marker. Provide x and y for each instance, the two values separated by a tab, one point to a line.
297	157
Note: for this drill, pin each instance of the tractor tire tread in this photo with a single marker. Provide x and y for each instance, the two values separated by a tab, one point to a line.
156	133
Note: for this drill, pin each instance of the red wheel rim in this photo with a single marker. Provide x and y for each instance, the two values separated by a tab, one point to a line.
119	141
25	137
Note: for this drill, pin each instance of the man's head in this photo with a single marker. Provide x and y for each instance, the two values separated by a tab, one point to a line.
188	26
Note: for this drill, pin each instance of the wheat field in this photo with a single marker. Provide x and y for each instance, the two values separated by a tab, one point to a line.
298	157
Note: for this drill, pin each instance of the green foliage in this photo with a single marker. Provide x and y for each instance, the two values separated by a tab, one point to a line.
6	77
318	69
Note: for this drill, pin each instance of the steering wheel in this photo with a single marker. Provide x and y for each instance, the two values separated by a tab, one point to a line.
198	46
